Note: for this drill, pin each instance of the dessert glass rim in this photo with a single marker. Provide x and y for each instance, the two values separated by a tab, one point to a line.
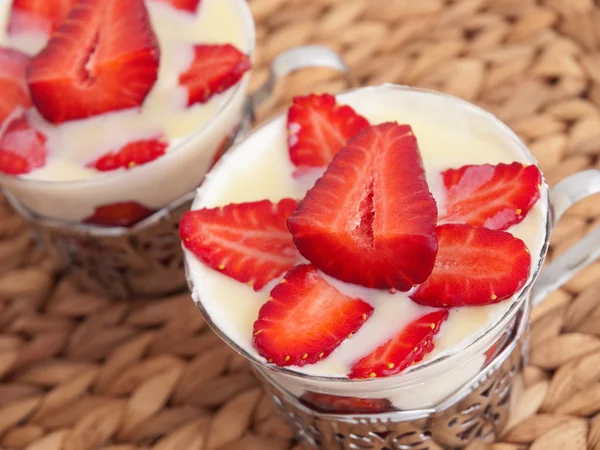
423	369
250	37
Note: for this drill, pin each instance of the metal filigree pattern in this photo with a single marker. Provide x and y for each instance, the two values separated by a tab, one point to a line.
479	415
138	262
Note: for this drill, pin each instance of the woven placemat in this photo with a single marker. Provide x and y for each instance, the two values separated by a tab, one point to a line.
80	372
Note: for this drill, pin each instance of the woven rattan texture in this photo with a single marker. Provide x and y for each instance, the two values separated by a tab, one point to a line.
78	372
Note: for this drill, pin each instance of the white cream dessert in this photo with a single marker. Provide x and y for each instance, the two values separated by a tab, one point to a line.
154	148
450	134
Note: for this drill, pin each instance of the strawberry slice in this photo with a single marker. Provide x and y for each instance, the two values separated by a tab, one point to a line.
104	57
409	346
43	16
370	219
248	241
13	88
318	128
22	148
133	154
215	69
474	267
123	214
345	405
190	6
305	319
494	197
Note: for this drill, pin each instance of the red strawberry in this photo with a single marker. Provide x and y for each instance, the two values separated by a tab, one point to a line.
123	214
474	267
214	70
248	241
184	5
305	319
318	128
104	57
370	219
22	148
409	346
494	197
345	405
42	16
133	154
13	88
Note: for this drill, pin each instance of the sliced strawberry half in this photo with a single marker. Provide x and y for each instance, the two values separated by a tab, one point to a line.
104	57
133	154
345	405
474	267
409	346
318	128
22	148
13	87
43	16
306	318
215	69
370	219
190	6
248	241
123	214
494	197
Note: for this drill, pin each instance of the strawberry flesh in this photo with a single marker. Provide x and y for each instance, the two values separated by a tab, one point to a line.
215	69
42	16
407	347
22	148
104	57
133	154
345	405
474	267
318	128
123	214
13	87
248	241
190	6
370	219
305	319
494	197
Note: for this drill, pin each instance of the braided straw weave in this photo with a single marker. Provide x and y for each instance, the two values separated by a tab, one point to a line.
79	372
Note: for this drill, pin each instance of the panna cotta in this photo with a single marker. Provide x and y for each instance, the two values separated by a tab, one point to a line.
122	106
363	235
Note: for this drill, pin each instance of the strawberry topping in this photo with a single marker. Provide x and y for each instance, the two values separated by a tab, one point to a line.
13	88
407	347
305	319
190	6
123	214
104	57
215	69
345	405
494	197
474	267
133	154
42	16
318	128
370	219
248	241
22	148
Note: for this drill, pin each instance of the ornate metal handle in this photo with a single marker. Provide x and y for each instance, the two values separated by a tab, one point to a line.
566	193
290	61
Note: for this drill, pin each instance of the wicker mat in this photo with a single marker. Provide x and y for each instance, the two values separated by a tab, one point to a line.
80	372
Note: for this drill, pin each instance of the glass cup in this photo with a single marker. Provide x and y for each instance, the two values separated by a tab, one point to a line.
458	398
145	259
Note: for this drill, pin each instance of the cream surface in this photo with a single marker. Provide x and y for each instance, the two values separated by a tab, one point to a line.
450	134
73	144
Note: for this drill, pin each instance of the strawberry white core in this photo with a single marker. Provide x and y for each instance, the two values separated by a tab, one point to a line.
450	134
